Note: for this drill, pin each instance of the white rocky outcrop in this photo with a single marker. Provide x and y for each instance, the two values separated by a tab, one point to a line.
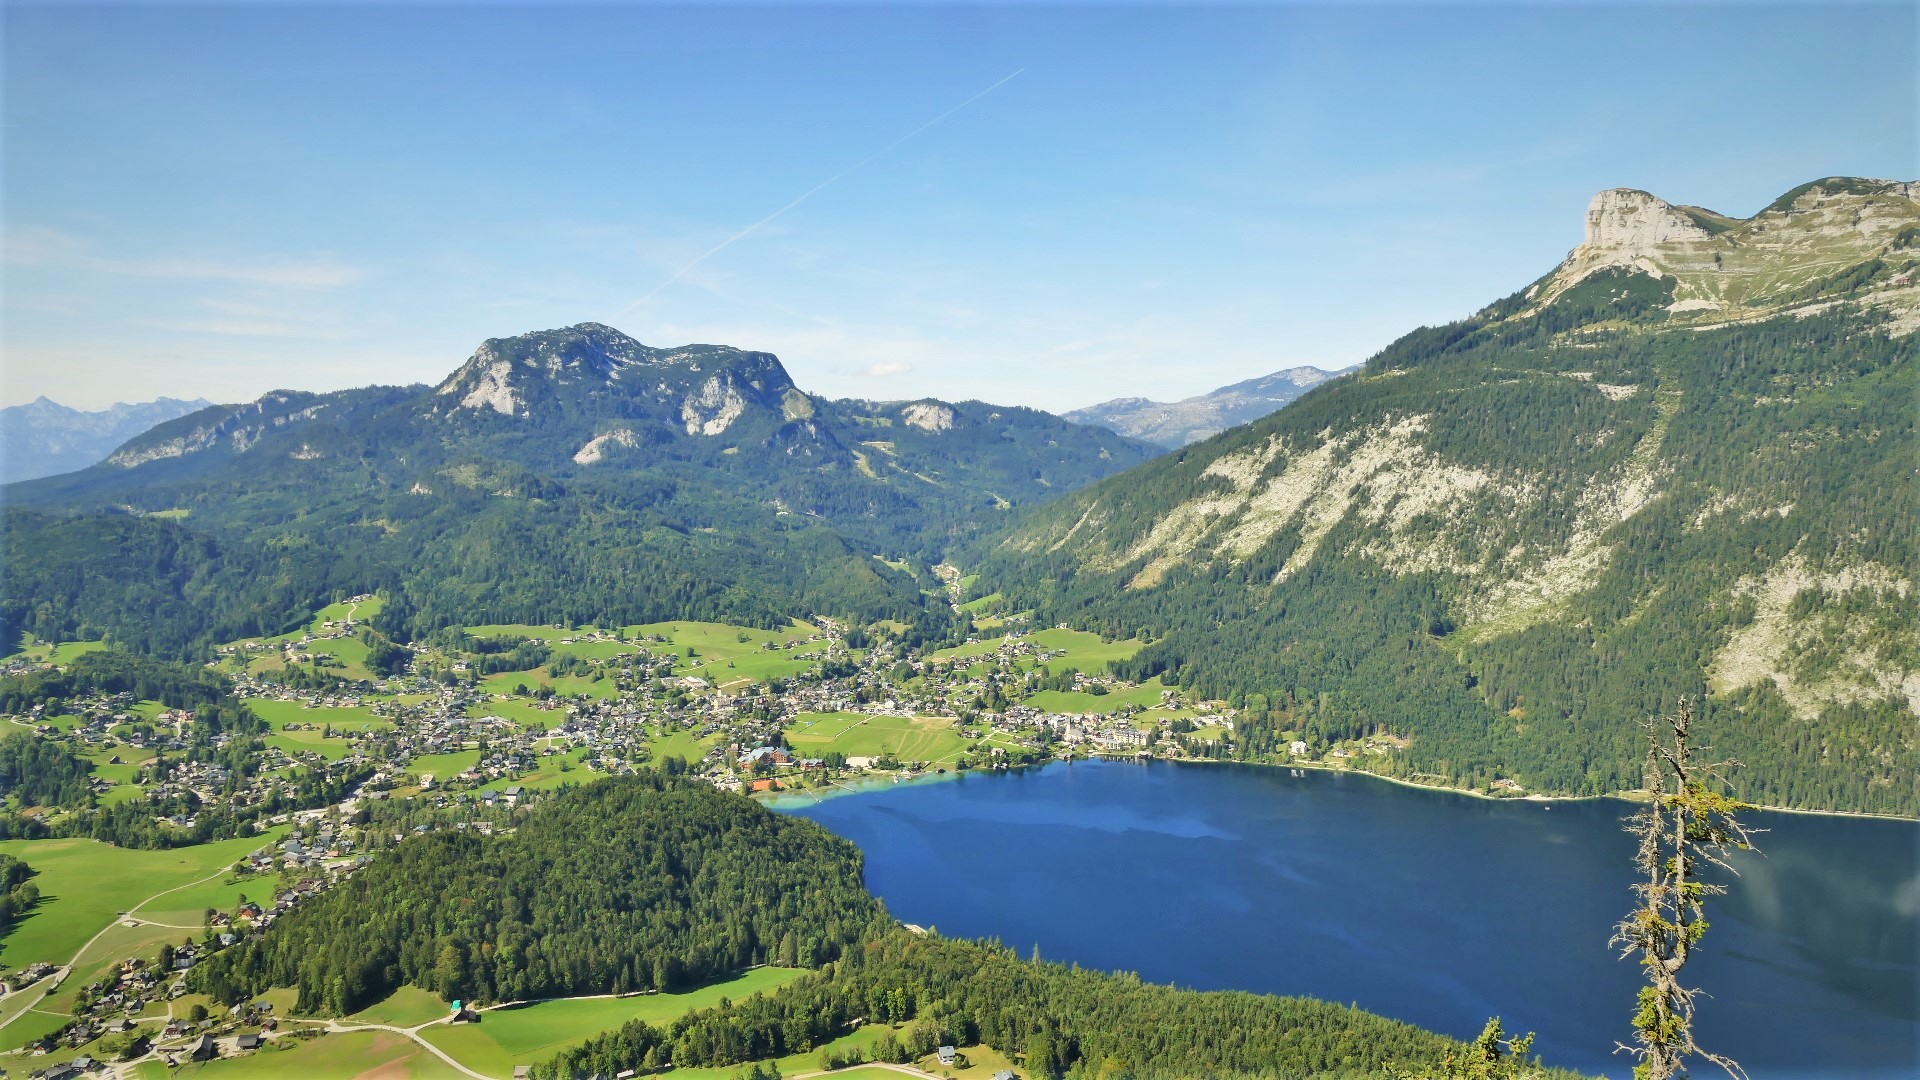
927	417
596	447
493	386
714	407
1727	269
1629	224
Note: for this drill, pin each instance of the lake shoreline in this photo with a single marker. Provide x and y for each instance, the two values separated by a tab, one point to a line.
814	796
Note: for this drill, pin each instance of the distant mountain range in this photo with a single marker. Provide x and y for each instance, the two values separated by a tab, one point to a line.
1679	465
572	472
44	438
1174	424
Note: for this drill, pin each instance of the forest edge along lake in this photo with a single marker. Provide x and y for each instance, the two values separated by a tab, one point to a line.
1423	905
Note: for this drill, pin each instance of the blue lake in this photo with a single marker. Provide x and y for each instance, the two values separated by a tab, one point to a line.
1427	906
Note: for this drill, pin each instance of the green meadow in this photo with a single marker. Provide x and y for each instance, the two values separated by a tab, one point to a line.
525	1034
679	742
920	738
56	652
1146	695
510	683
1084	651
351	653
339	717
983	647
549	773
445	765
528	714
349	1054
296	743
406	1007
84	884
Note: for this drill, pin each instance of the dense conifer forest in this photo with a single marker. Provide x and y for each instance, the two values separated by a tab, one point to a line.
653	882
1058	1020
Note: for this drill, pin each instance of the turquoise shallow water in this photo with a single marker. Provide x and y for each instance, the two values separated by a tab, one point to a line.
1428	906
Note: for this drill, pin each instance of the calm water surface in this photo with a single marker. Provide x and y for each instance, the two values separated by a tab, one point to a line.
1435	908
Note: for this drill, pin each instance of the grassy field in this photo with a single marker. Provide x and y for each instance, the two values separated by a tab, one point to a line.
340	718
983	647
507	684
130	761
352	654
357	1053
522	1035
528	714
522	630
679	742
549	774
58	652
1143	696
714	642
444	765
723	654
186	906
757	667
596	650
1084	651
405	1007
922	738
361	612
310	742
84	884
596	686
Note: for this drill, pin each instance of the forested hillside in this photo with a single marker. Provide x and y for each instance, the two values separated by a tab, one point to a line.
630	884
571	474
1510	537
1058	1020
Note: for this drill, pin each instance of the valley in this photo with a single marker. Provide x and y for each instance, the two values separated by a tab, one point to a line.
358	704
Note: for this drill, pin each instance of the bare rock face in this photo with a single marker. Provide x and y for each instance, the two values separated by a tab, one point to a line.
714	407
491	387
927	417
1815	244
1631	223
596	448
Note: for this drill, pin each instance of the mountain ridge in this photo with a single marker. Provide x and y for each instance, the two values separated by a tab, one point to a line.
1507	538
573	467
45	438
1178	423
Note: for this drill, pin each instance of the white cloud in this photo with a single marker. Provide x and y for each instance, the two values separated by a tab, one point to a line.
39	247
885	368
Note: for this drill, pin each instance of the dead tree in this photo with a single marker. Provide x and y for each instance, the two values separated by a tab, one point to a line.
1689	824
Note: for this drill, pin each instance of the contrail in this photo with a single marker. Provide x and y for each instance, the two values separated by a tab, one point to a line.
810	193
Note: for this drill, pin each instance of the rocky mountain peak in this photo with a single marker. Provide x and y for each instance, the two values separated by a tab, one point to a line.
1629	223
1179	423
1835	239
511	376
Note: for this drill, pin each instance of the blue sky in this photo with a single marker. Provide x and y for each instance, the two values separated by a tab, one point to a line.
220	201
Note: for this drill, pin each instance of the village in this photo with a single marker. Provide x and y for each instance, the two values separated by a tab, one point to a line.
349	765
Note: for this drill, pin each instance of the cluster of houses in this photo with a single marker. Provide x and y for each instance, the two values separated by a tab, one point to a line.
743	726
